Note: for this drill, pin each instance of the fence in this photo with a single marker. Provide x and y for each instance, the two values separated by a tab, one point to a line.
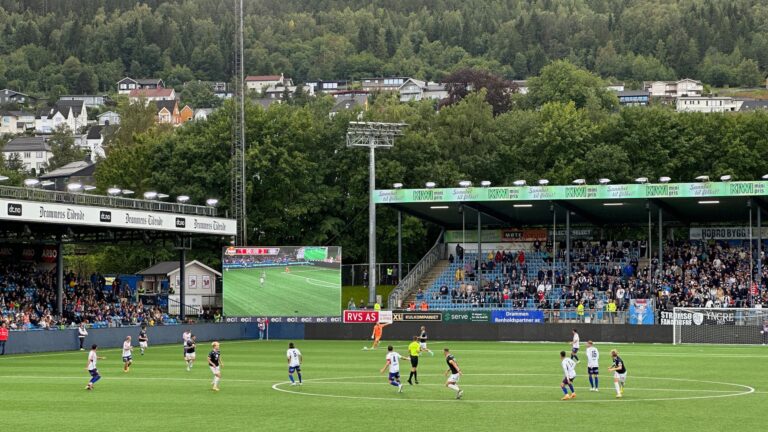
357	274
412	279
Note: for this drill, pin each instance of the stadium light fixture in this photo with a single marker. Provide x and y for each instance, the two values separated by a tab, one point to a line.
580	181
641	180
702	178
397	185
485	183
765	177
726	178
212	202
520	182
439	207
543	182
31	182
127	192
604	181
522	205
46	183
162	196
3	178
74	187
150	195
182	199
709	202
613	204
89	188
114	191
465	183
665	179
430	185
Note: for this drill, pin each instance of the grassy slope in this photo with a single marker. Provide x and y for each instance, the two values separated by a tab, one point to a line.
45	392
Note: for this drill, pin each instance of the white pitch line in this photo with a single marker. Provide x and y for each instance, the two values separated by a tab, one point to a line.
382	383
125	378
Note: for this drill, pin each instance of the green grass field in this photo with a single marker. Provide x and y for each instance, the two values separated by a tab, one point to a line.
507	387
305	291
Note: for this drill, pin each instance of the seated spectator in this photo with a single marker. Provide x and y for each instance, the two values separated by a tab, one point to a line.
424	306
444	291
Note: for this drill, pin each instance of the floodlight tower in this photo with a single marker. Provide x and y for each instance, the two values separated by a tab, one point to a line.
238	130
373	135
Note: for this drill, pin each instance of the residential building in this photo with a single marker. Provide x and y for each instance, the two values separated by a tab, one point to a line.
633	97
109	118
72	114
708	104
16	122
151	95
94	141
201	114
90	101
168	112
259	83
382	83
321	86
674	89
186	114
34	152
8	96
617	87
199	286
349	100
125	85
74	172
754	105
219	88
522	86
416	90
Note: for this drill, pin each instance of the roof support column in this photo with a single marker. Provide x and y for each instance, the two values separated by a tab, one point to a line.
568	245
759	275
661	242
479	250
554	244
59	277
182	283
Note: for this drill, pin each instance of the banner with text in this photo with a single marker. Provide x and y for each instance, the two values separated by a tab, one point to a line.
725	233
641	312
517	316
467	316
417	316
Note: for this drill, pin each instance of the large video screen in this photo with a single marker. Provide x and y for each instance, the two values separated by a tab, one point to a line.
282	281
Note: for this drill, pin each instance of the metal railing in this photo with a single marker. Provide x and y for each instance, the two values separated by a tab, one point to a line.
411	280
35	194
356	274
175	306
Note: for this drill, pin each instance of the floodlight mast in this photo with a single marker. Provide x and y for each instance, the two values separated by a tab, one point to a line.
373	135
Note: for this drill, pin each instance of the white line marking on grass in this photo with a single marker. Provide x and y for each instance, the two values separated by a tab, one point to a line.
320	283
125	378
745	390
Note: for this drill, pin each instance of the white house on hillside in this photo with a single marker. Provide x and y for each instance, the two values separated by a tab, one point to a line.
416	90
72	114
151	95
674	89
16	122
707	104
34	152
259	83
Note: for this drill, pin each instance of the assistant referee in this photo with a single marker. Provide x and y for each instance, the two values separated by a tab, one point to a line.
414	348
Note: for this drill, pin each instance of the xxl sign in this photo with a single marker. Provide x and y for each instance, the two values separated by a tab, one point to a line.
66	214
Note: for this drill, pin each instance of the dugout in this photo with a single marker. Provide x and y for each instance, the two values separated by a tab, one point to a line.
713	210
33	219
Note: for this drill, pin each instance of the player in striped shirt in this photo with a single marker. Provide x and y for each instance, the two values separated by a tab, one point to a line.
569	374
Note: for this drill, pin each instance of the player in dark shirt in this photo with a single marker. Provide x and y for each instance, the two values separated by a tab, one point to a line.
214	361
619	373
423	341
143	339
189	352
453	373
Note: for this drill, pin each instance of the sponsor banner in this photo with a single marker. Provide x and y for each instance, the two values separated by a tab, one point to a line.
467	316
73	214
526	235
577	234
29	253
285	319
517	316
573	192
699	317
366	317
417	316
470	236
725	233
641	312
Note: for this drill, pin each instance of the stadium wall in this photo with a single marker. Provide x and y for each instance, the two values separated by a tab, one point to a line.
21	342
494	332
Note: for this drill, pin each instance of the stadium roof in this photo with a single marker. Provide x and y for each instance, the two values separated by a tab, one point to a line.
602	205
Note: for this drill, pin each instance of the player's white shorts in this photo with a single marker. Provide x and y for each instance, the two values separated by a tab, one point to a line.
621	377
454	378
423	345
189	356
142	344
215	370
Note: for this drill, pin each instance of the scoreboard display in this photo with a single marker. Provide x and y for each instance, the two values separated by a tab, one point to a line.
266	251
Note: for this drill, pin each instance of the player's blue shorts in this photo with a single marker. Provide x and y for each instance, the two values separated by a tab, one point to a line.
94	373
565	381
394	376
292	369
574	350
126	359
592	371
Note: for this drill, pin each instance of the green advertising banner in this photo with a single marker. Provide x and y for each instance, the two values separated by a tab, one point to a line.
467	316
470	236
544	193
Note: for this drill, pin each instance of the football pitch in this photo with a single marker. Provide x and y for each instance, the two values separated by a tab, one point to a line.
304	291
507	386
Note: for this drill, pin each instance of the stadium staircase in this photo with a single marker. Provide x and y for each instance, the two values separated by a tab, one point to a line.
428	281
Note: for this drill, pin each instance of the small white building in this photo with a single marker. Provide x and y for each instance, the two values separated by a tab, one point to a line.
416	90
200	286
71	114
673	89
34	152
152	95
90	101
109	118
259	83
16	122
708	104
201	114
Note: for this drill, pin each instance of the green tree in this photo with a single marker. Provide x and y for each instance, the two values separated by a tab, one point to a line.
198	94
561	81
63	149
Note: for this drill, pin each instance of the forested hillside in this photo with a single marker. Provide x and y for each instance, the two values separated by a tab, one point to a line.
81	46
